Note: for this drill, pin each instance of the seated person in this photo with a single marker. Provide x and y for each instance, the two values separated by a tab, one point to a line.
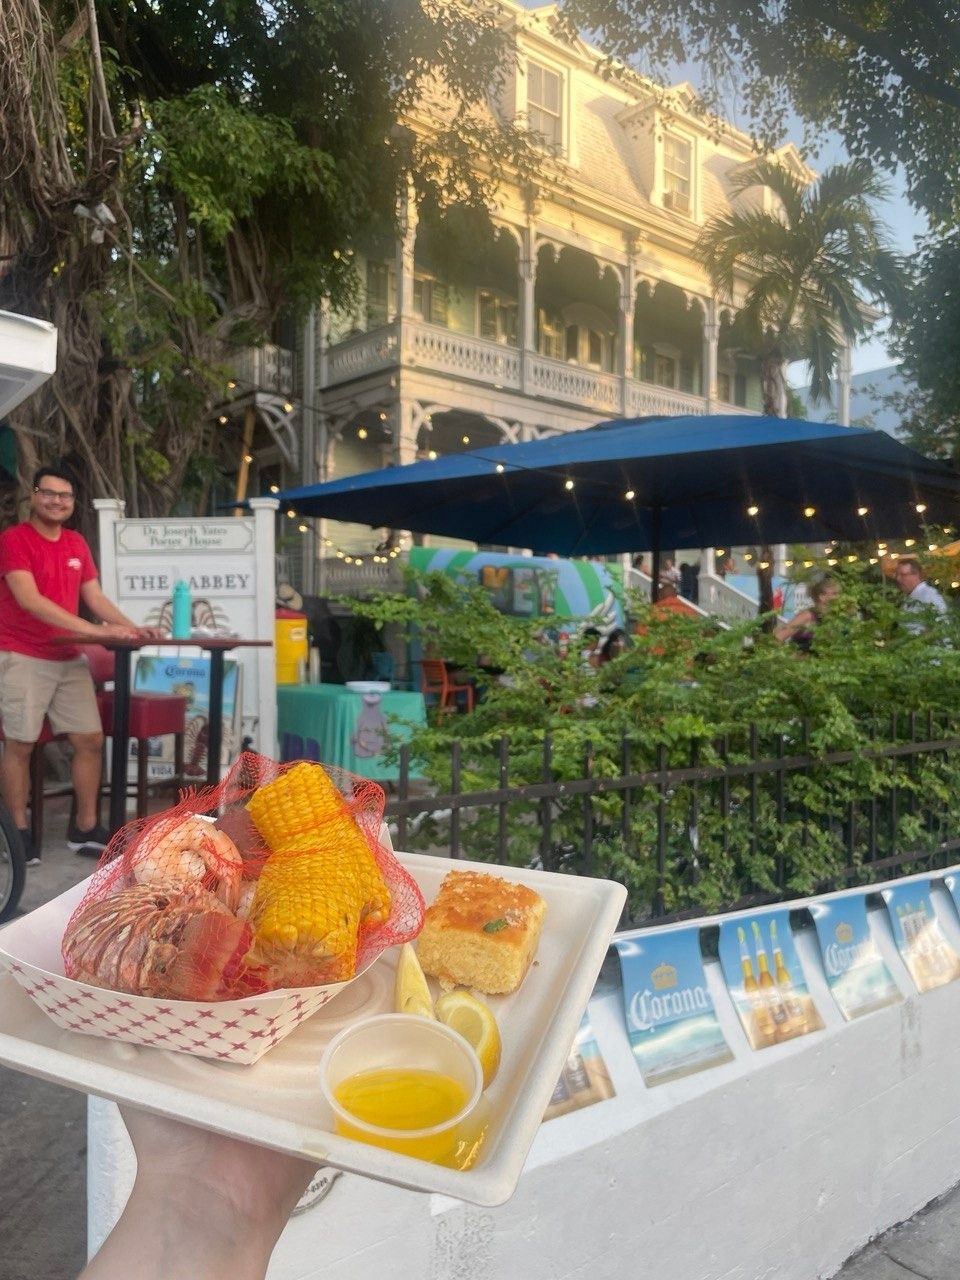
800	629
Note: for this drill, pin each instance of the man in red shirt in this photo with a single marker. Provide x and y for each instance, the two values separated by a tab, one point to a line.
46	570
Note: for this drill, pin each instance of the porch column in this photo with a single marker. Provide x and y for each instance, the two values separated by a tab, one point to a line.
323	343
407	420
407	221
627	305
527	267
844	361
711	339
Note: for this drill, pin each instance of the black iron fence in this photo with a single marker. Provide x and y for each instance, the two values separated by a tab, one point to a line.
733	823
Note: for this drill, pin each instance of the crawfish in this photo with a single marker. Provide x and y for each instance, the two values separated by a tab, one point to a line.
174	943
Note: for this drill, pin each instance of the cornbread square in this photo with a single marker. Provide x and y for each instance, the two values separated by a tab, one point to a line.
481	932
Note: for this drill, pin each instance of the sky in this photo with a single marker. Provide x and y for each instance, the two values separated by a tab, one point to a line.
902	221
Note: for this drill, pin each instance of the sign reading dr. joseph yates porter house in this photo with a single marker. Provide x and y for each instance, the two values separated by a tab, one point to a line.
213	558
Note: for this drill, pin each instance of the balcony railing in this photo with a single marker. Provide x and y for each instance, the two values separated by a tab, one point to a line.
266	368
557	380
362	354
445	351
336	577
416	344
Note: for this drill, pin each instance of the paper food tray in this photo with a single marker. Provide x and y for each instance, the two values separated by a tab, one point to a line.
276	1101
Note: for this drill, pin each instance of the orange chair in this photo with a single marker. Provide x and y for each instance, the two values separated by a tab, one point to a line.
435	681
152	715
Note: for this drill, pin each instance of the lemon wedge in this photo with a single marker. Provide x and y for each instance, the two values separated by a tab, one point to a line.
475	1022
411	993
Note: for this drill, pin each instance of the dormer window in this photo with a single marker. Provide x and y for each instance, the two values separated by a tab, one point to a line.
545	103
677	173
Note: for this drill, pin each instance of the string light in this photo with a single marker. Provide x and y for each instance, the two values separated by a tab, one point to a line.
788	564
764	564
383	416
432	455
809	512
274	488
932	546
850	559
954	585
568	484
500	468
223	419
873	559
862	511
747	556
753	511
630	495
831	562
808	564
231	385
920	508
248	458
362	433
465	439
910	542
302	528
721	551
291	513
287	407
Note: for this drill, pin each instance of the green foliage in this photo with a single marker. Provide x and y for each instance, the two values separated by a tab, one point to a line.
927	343
688	692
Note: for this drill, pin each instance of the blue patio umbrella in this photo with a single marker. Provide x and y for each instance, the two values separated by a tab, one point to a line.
643	484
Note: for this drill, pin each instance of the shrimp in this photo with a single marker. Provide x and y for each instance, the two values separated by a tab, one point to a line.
194	852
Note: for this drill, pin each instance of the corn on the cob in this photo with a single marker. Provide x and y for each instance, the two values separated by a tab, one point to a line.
320	882
306	914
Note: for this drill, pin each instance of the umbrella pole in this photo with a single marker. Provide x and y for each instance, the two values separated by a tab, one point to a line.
655	556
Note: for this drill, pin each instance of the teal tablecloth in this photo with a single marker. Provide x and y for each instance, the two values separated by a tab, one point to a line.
335	725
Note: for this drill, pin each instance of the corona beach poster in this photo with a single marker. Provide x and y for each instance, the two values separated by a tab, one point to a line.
765	979
857	974
916	930
671	1020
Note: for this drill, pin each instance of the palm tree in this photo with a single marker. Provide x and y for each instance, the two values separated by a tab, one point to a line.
812	265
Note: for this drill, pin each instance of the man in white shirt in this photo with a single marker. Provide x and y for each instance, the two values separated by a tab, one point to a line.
920	595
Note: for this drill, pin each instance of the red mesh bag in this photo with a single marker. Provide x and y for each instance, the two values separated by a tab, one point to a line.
275	878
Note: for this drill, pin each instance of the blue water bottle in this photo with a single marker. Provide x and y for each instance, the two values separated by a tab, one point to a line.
182	611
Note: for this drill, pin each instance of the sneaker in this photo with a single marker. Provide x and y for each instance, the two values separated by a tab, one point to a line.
30	854
88	843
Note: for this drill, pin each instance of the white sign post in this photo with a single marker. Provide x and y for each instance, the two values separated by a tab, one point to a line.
230	565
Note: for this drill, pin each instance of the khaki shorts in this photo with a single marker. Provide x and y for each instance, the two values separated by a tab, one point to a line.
31	688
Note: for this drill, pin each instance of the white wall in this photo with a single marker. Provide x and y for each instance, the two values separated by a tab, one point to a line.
776	1166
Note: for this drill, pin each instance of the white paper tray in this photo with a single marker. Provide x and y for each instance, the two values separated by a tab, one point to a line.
276	1102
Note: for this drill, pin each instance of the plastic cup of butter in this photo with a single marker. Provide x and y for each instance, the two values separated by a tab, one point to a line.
401	1082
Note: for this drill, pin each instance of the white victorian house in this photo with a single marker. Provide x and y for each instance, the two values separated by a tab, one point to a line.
586	303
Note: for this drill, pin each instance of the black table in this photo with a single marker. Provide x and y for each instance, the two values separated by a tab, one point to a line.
216	646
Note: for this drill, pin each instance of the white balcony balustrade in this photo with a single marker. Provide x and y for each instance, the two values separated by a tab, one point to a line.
429	346
361	354
265	368
414	344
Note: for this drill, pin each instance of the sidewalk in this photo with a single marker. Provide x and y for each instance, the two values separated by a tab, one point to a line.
927	1246
43	1127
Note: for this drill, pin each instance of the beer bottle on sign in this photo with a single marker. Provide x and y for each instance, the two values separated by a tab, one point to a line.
768	988
784	981
760	1016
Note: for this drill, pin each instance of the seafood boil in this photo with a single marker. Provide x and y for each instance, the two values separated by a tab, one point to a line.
179	910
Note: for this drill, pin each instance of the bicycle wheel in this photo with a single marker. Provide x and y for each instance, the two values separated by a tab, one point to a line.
13	865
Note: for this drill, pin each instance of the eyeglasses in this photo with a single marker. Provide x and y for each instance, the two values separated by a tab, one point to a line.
54	495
